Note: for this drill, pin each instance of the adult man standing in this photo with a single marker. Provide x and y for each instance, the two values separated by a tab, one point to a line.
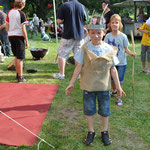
3	33
36	23
72	15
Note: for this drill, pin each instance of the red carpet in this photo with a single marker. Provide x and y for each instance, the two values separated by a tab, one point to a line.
28	104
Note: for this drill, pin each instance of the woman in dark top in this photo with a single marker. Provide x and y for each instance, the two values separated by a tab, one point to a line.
107	13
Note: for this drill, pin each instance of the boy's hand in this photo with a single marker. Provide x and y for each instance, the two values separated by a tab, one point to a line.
133	55
27	45
121	93
69	89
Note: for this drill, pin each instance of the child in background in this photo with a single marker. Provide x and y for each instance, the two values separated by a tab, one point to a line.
16	20
96	59
145	46
44	36
120	40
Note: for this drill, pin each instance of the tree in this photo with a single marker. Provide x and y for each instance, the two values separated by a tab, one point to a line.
40	7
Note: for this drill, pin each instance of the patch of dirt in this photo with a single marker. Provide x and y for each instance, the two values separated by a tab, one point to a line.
69	113
131	141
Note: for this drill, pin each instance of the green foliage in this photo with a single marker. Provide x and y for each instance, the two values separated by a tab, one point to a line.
40	7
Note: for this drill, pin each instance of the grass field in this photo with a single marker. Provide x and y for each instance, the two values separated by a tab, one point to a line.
65	126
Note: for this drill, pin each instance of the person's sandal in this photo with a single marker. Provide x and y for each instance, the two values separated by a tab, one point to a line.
119	102
142	71
89	139
105	138
147	73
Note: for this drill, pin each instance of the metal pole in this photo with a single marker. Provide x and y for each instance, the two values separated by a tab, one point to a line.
55	27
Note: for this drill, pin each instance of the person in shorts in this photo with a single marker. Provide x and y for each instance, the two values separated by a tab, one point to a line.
16	27
3	34
145	46
72	15
96	62
120	40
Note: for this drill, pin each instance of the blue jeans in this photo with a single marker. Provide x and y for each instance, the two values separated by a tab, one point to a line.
5	41
89	103
121	72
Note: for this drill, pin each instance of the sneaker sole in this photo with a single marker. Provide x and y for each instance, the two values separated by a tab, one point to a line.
58	78
108	144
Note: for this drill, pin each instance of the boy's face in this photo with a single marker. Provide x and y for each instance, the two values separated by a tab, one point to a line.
96	36
114	25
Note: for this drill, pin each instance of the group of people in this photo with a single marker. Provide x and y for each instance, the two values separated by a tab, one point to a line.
37	25
100	65
141	17
95	60
98	61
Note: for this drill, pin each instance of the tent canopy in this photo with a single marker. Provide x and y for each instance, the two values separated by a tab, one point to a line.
132	3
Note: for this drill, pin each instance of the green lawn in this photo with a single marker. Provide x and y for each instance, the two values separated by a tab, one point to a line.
65	126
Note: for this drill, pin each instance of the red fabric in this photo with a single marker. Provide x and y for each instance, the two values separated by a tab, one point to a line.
28	104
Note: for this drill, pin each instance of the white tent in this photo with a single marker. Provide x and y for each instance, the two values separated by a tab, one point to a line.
132	3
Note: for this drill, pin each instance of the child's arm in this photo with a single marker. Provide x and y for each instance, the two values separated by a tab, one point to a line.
114	75
25	35
129	52
76	73
144	31
7	27
2	26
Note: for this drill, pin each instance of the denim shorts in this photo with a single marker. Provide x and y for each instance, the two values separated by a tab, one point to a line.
89	103
68	45
145	49
121	72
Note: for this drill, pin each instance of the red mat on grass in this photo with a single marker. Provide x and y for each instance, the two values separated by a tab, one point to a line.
28	104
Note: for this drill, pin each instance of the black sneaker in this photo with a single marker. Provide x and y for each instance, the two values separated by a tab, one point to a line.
21	79
105	138
17	76
89	139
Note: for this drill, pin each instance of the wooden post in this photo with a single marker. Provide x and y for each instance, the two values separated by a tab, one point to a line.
133	45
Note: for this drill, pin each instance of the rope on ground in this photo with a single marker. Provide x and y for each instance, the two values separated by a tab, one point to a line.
41	140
